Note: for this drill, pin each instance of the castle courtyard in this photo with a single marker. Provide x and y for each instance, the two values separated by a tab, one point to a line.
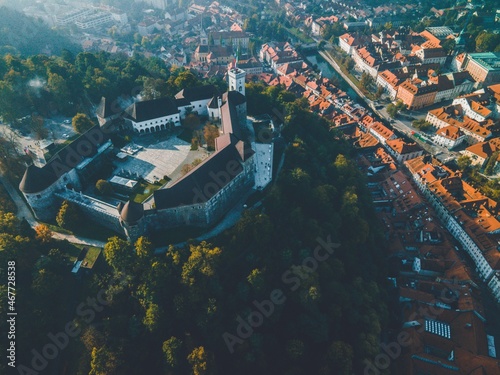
158	159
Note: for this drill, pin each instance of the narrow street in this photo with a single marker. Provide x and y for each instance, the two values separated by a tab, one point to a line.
402	126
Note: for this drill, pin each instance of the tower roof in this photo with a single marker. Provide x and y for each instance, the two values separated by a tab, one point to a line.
36	179
131	212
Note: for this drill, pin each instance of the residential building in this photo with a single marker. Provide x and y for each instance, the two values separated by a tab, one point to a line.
468	215
235	39
94	20
402	151
416	94
278	54
481	152
347	42
483	67
381	132
478	106
449	137
72	16
453	115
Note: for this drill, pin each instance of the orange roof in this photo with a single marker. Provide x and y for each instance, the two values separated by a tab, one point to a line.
430	38
366	140
348	38
401	147
478	108
450	132
382	130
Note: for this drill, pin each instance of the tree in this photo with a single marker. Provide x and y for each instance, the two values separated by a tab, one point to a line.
186	168
103	361
448	45
198	359
43	233
339	357
295	349
104	187
118	254
490	165
486	41
194	144
464	162
421	125
38	128
143	247
366	80
152	317
192	121
81	123
394	109
186	79
68	215
210	133
171	350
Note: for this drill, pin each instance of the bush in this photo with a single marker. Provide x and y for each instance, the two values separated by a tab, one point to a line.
103	187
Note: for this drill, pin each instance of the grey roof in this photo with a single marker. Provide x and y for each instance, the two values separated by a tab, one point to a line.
107	109
37	179
151	109
194	94
204	181
131	212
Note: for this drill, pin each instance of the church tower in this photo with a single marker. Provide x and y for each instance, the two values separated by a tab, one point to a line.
237	80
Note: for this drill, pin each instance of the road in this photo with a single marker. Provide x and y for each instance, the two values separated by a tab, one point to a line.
400	125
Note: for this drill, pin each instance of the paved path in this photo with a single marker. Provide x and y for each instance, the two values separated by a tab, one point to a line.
23	212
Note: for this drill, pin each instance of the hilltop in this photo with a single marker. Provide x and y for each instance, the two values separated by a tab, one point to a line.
26	36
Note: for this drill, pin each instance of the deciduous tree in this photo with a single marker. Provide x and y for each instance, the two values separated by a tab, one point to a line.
81	123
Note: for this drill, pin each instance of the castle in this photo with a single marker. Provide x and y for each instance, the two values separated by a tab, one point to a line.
200	198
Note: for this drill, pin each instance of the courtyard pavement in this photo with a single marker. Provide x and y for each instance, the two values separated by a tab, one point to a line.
156	160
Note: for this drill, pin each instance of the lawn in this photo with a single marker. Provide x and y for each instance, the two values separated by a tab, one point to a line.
86	228
300	35
91	256
71	252
145	190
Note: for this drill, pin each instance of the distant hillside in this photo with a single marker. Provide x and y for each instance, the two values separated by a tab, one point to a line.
23	35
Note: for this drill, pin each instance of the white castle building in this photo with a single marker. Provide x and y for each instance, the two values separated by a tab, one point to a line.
200	198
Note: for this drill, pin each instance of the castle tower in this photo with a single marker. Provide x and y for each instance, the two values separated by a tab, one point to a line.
237	80
132	219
